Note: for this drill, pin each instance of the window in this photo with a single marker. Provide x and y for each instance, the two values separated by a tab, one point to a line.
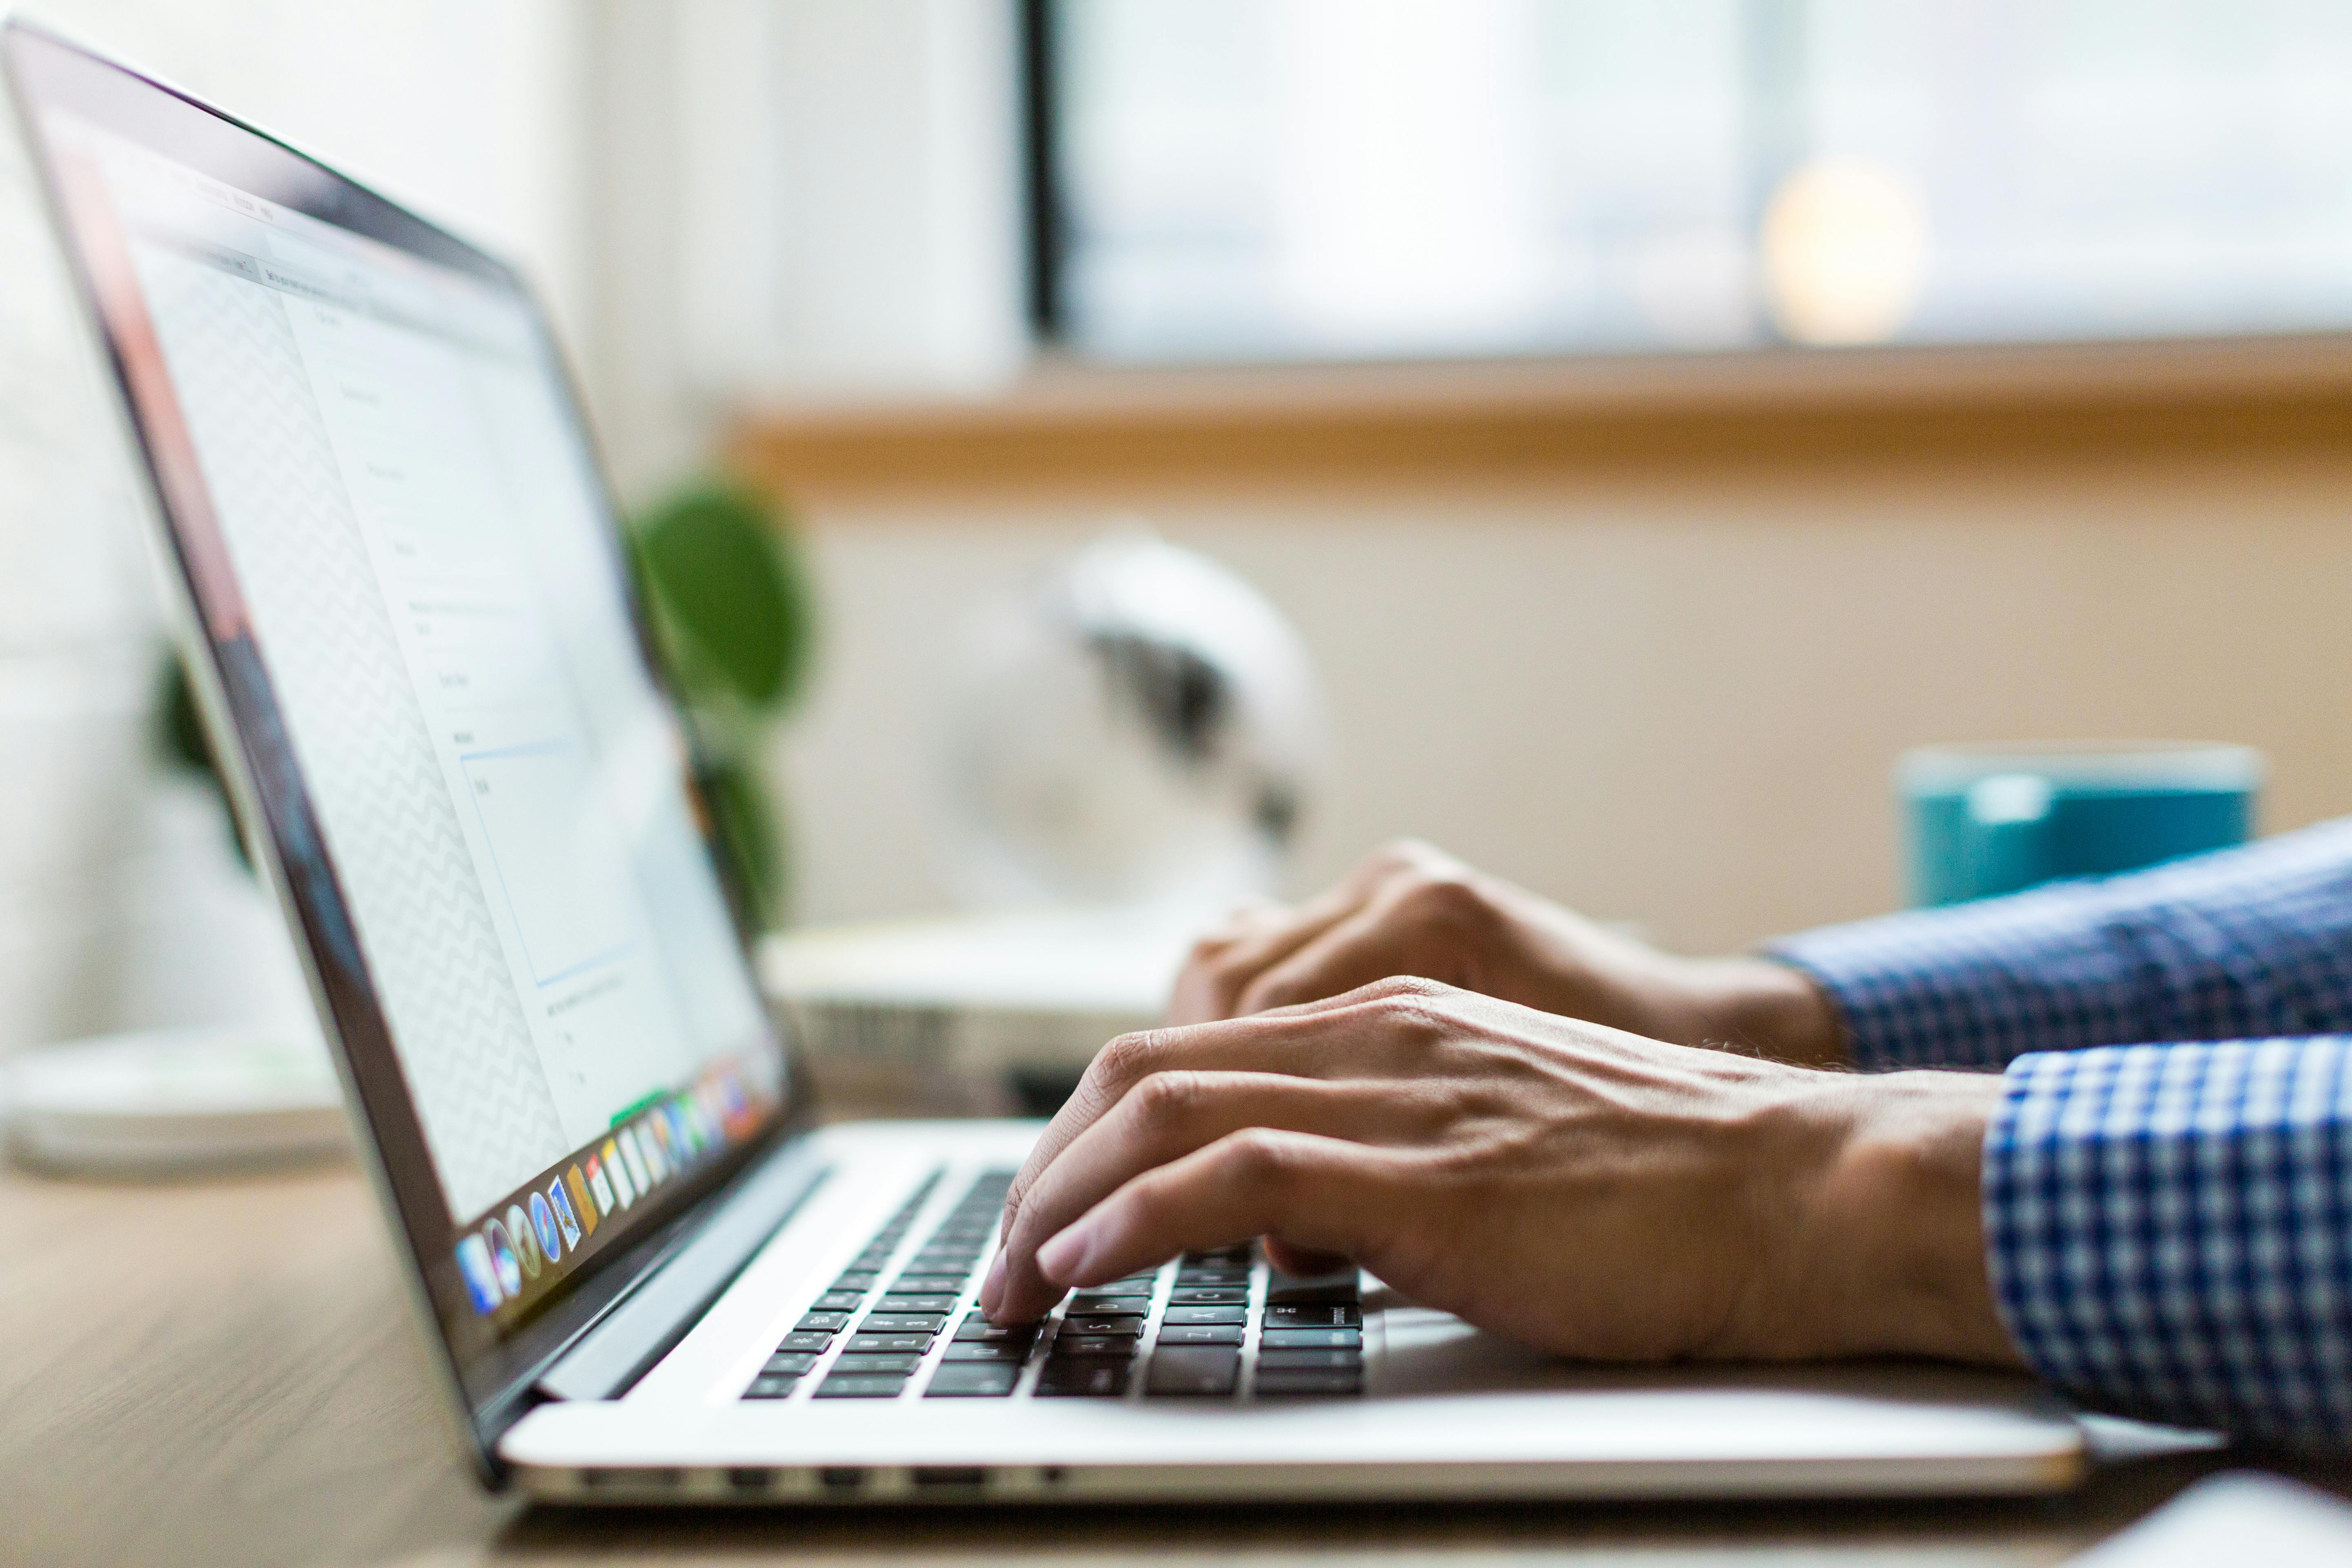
1333	179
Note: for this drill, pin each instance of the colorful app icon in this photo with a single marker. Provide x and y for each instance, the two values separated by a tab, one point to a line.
640	1175
542	1220
658	1135
503	1261
616	1170
600	1184
581	1199
566	1221
481	1277
526	1244
650	1143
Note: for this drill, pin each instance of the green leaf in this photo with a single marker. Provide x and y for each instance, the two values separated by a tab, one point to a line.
733	601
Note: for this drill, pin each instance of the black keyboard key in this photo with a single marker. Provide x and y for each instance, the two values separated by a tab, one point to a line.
839	1300
821	1324
905	1322
927	1284
977	1327
1112	1306
1119	1290
858	1279
1282	1382
1205	1315
1130	1327
788	1363
1082	1380
862	1386
797	1340
1011	1354
767	1387
1299	1361
872	1345
1199	1333
1301	1289
1208	1296
1219	1255
901	1362
1336	1316
972	1380
1311	1339
1075	1345
895	1302
1213	1279
1202	1370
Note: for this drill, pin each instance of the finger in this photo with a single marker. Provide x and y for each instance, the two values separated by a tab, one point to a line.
1320	1195
1368	946
1344	1036
1220	964
1169	1115
1223	964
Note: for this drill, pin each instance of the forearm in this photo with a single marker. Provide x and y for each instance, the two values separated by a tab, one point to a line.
2256	942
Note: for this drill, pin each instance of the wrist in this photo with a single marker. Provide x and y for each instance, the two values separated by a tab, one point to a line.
1763	1008
1892	1232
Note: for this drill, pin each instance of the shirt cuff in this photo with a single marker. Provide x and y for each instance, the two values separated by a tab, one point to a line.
1974	985
2168	1230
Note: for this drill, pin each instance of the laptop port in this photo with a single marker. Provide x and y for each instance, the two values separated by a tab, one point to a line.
748	1479
841	1478
950	1475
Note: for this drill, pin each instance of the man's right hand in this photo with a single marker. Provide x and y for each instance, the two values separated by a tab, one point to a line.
1411	910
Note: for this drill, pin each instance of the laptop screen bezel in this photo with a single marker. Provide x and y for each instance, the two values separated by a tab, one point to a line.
490	1374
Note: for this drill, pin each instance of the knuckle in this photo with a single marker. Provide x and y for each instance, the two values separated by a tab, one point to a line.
1126	1055
1400	991
1167	1097
1258	1157
1448	899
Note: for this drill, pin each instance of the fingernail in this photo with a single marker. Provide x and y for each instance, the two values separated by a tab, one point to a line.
1059	1258
993	1286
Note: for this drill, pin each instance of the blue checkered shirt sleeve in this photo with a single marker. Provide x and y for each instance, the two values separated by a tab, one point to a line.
2167	1186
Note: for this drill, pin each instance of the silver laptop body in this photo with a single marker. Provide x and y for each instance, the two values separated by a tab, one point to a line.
646	1274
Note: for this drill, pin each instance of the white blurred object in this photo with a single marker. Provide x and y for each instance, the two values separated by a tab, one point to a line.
1140	726
957	1013
2241	1517
173	1100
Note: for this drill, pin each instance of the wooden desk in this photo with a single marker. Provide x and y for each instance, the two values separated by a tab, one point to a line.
224	1373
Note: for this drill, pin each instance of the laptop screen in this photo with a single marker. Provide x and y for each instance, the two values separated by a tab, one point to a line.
404	561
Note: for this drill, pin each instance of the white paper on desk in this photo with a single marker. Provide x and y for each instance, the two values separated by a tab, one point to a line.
2231	1519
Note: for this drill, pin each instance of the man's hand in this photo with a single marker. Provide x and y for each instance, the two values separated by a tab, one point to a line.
1411	910
1578	1189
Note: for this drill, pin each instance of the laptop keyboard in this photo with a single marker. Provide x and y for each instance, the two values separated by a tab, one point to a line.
1212	1325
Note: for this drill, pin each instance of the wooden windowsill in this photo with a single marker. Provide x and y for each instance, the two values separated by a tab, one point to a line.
1074	425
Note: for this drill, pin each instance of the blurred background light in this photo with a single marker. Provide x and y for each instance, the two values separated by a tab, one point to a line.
1845	246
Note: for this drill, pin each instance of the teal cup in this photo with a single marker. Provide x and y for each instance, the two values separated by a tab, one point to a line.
1983	820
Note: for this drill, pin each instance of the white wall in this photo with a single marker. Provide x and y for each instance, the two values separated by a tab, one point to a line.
1673	702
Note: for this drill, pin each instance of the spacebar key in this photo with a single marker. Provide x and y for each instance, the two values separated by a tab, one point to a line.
1212	1370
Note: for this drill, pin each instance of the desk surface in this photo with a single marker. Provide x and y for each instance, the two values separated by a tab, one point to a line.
224	1373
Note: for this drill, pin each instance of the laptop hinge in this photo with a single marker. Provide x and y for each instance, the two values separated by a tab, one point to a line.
647	1323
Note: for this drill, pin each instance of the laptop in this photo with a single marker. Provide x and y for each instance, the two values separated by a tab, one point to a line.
645	1271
